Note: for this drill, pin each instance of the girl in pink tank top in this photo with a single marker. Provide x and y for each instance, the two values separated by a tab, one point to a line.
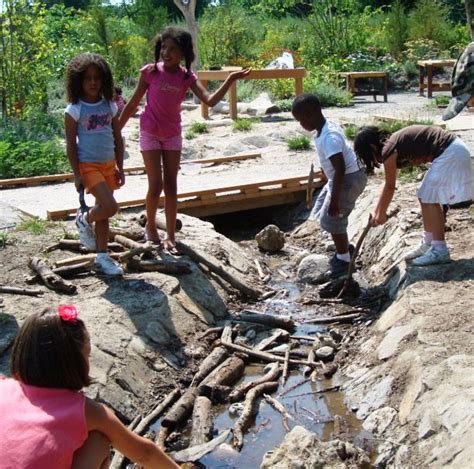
46	421
165	83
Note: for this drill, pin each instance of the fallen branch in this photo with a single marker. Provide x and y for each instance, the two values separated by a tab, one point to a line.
320	301
50	279
283	322
21	291
211	330
286	365
73	270
226	373
348	318
280	335
320	391
311	360
260	271
215	358
278	406
297	385
155	265
241	390
160	221
201	430
135	234
180	409
250	410
235	282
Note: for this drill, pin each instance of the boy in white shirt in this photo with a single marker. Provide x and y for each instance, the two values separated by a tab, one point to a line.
346	180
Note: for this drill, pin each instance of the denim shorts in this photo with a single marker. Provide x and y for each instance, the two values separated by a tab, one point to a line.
354	184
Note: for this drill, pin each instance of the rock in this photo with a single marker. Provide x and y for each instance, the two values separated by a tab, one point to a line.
312	269
303	449
259	106
392	339
379	420
156	332
429	424
325	353
273	110
258	141
336	335
270	239
375	397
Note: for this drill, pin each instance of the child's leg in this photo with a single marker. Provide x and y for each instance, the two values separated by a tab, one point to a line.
341	242
152	160
93	454
433	220
171	159
105	207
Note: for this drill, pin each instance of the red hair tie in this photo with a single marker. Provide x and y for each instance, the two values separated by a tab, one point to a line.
68	313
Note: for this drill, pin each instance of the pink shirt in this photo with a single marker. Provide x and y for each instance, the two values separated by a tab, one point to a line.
166	91
40	428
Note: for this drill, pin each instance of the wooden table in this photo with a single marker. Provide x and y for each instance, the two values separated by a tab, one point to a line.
426	67
352	77
204	76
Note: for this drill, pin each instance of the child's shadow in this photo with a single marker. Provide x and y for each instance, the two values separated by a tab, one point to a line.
8	330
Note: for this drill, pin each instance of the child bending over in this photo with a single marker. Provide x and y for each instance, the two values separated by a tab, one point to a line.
165	83
95	150
448	181
47	422
346	180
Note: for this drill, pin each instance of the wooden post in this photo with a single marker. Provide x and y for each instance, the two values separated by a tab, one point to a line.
430	80
204	107
385	88
233	100
421	80
298	86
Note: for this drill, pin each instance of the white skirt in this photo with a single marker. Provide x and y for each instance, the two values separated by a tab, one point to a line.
449	179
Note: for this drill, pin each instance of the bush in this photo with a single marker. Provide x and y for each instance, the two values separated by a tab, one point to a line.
285	104
189	135
328	93
299	143
242	125
199	128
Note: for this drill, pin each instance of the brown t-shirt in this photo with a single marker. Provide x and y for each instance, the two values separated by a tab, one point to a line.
417	144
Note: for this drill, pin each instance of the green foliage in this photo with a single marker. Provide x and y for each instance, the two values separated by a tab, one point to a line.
411	173
189	135
243	124
199	128
33	225
298	143
351	131
394	126
3	239
329	94
248	90
285	104
441	100
396	28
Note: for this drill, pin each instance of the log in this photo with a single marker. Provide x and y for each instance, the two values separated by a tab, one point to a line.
218	393
282	322
278	406
135	234
311	360
265	356
160	439
242	389
201	431
157	411
160	221
210	331
227	334
226	373
250	410
280	335
347	318
286	365
126	256
180	410
76	269
81	259
215	358
21	291
51	280
128	242
244	289
158	265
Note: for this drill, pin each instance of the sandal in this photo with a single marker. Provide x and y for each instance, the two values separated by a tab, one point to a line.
159	244
171	249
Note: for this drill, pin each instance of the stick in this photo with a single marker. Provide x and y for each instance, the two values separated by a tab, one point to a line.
283	322
155	265
157	411
265	343
280	408
309	187
214	359
250	409
320	391
180	410
320	301
211	330
297	385
201	421
309	369
332	320
286	365
261	274
51	280
241	390
21	291
236	283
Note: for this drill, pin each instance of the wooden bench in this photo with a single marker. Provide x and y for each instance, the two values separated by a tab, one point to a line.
204	76
352	77
426	68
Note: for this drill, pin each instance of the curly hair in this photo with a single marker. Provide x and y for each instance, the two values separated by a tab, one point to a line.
75	74
306	104
47	352
184	41
367	136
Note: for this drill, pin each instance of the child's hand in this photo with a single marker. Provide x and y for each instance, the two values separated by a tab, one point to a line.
120	175
378	218
77	182
239	74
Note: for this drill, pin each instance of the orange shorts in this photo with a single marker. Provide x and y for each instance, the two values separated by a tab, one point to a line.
94	173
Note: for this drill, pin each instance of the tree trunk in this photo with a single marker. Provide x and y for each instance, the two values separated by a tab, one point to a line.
188	9
469	4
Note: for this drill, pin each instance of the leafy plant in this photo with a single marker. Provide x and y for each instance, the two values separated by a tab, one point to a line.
189	135
394	126
199	128
299	143
329	94
350	131
285	104
33	225
242	124
412	173
442	100
3	239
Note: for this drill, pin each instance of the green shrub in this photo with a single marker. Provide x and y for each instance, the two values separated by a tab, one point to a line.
33	225
247	91
285	104
412	173
350	131
243	124
199	128
394	126
329	94
298	143
189	135
3	239
442	100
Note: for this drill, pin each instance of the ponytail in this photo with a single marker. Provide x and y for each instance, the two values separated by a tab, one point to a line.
367	136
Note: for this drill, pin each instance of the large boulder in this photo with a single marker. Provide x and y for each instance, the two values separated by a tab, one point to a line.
302	449
270	239
312	269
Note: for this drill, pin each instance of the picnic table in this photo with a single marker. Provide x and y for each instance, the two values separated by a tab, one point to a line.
426	68
352	77
204	76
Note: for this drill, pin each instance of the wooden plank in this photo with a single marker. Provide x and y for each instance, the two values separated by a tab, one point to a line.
35	180
263	74
215	195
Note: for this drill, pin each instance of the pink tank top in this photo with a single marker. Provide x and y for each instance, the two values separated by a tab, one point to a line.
40	428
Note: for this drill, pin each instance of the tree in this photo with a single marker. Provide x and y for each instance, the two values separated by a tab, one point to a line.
188	9
469	4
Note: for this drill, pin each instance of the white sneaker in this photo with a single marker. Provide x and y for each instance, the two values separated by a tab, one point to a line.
107	266
432	257
86	232
417	251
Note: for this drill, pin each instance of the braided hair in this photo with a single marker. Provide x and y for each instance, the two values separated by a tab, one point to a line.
367	136
184	41
76	70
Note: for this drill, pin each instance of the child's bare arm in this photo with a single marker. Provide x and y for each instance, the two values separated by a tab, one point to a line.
132	105
212	99
379	216
70	126
133	446
119	149
339	166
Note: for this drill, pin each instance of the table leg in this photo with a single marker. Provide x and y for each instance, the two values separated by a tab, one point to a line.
233	100
430	81
421	81
298	86
204	107
385	88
